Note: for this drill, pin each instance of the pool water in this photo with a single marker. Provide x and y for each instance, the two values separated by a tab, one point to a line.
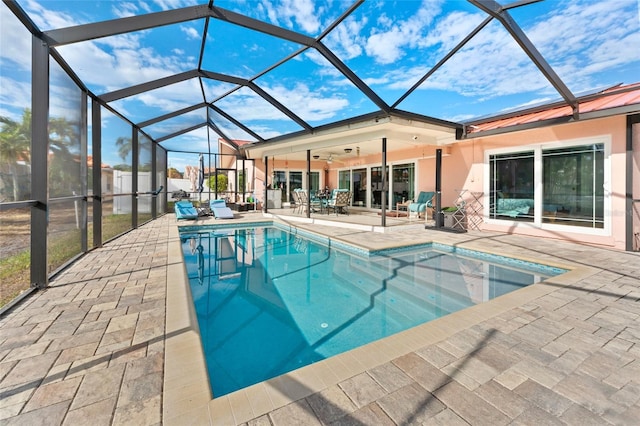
269	301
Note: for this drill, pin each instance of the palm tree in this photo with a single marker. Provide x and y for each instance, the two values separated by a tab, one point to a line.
15	142
64	167
124	145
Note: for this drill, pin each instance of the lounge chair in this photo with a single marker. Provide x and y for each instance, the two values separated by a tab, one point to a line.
220	210
422	203
185	210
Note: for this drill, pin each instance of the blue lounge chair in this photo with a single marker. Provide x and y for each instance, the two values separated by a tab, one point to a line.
220	209
424	202
185	210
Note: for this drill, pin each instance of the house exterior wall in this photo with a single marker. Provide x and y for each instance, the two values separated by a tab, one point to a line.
472	155
465	168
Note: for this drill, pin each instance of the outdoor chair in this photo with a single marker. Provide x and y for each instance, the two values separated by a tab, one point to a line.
422	203
339	201
304	197
220	209
298	198
185	210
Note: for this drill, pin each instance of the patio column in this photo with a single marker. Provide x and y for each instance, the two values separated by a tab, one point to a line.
385	187
266	177
439	215
96	152
309	183
39	162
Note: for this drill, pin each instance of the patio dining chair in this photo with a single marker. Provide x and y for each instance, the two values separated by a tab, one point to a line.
297	203
339	201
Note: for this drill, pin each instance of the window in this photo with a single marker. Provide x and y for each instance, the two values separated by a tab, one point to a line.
403	183
570	178
511	186
359	187
573	186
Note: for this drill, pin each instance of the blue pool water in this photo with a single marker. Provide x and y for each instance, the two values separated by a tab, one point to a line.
269	301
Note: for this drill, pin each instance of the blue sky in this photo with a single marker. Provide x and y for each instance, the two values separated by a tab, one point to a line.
388	44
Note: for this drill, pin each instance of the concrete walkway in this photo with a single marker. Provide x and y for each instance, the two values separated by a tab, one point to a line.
91	348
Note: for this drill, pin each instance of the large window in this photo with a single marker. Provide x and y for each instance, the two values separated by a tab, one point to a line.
573	191
570	178
511	186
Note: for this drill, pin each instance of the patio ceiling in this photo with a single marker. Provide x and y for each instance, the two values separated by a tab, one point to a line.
294	75
362	137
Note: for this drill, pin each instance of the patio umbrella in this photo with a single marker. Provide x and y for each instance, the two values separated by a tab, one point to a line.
201	176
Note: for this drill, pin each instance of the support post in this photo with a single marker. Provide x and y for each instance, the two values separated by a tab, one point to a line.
308	184
385	187
96	153
266	177
39	164
439	214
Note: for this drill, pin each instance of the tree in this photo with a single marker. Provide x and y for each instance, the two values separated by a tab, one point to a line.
64	164
173	173
223	183
124	145
15	144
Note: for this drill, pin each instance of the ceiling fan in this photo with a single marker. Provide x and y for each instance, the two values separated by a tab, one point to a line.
330	157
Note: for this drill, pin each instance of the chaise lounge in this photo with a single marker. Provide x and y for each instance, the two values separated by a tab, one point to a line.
220	210
185	210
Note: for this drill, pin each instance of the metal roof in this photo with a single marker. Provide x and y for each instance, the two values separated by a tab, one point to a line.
621	99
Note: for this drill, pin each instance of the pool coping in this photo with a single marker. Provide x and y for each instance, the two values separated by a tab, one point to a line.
187	395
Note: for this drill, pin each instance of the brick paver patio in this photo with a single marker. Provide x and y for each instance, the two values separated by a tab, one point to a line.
91	348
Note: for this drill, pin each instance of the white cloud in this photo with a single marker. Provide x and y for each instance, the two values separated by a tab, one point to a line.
191	32
15	45
581	40
46	19
346	40
15	96
601	36
389	44
450	30
303	12
124	9
308	104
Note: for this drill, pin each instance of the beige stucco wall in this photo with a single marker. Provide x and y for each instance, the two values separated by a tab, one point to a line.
472	152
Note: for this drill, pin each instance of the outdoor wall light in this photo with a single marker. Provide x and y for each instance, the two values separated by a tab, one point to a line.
348	150
315	157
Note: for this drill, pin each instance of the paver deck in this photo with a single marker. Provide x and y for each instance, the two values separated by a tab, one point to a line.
113	341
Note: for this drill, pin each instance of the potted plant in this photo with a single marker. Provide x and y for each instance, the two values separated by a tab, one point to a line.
454	218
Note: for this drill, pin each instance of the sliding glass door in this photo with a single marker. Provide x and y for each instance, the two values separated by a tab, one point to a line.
359	187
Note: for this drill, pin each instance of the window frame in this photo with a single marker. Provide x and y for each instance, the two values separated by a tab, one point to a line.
538	185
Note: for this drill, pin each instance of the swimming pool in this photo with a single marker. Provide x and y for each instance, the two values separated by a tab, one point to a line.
269	301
